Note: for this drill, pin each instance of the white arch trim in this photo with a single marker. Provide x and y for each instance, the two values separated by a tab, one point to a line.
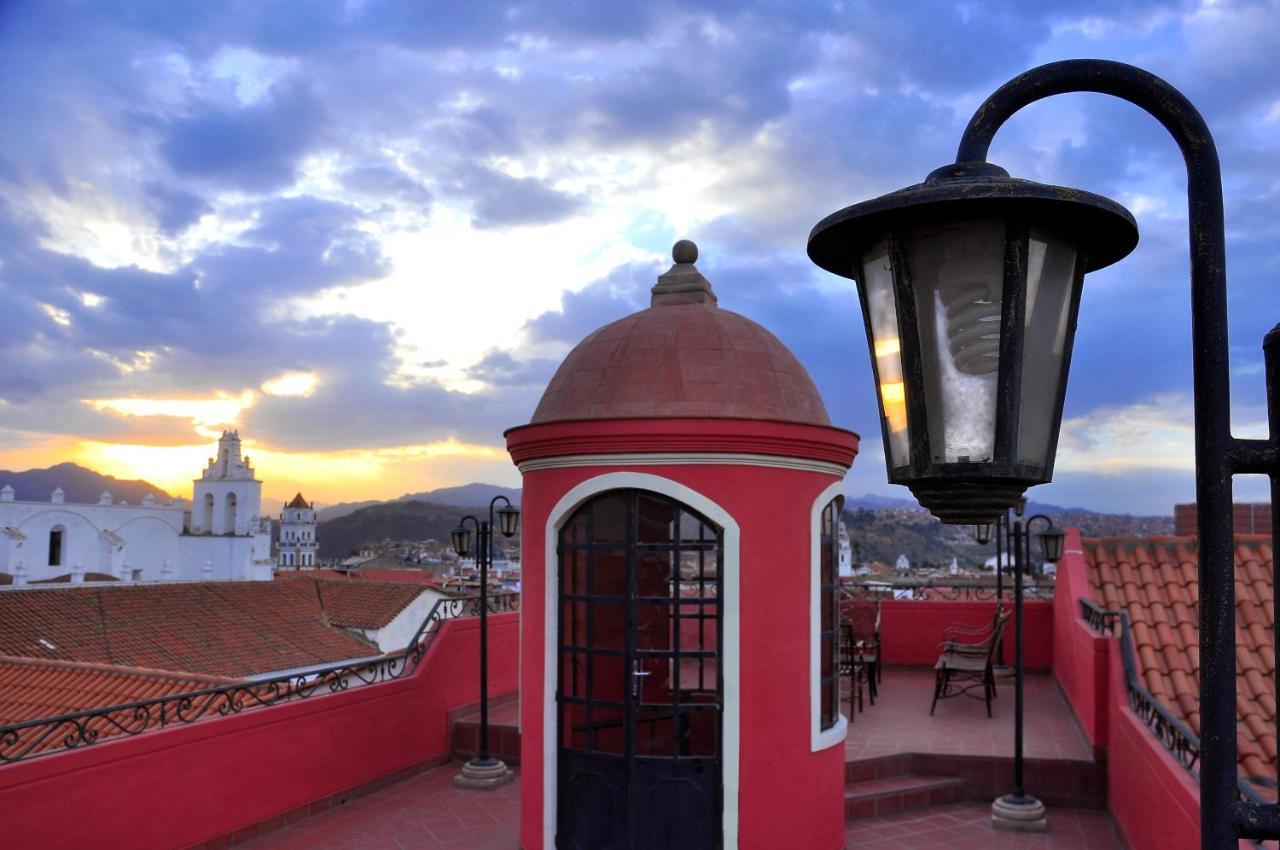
820	739
729	650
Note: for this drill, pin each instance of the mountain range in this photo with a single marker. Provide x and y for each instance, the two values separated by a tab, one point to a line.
78	485
473	495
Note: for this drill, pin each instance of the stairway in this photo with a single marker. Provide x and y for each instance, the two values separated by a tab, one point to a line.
887	785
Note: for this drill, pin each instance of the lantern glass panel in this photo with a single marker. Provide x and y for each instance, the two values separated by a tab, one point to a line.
1051	287
886	349
957	274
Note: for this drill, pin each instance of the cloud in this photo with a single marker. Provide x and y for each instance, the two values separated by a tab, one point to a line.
254	148
500	200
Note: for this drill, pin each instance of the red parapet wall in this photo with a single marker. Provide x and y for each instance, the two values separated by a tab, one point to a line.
1080	656
1153	800
911	630
187	785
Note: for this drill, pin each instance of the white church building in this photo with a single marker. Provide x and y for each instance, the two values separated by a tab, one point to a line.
223	537
297	547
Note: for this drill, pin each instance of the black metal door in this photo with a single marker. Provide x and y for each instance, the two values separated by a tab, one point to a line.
639	700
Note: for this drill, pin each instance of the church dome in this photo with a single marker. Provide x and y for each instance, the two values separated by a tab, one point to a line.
682	357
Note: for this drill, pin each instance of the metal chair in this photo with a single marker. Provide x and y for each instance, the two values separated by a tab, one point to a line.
962	667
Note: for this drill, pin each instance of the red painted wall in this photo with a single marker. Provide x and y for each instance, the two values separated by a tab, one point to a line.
186	785
1081	655
911	630
1154	802
789	796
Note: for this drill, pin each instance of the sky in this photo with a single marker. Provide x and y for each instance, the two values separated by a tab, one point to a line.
365	233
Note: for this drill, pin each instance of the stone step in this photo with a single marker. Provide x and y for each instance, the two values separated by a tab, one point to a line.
876	797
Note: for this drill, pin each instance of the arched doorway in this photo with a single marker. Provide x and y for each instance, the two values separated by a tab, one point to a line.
640	693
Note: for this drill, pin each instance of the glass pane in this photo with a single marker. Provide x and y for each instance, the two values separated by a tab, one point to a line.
877	286
653	574
654	732
573	626
573	682
609	678
698	733
607	729
575	570
826	606
608	625
827	659
957	274
609	573
573	725
609	514
698	679
576	530
656	519
1051	283
653	626
693	530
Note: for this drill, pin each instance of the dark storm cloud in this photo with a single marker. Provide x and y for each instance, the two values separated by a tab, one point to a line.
255	148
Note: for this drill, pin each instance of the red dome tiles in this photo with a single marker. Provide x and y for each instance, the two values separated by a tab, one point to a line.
682	357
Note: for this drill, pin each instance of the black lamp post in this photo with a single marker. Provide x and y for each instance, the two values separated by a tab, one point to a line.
970	284
983	534
1018	809
484	771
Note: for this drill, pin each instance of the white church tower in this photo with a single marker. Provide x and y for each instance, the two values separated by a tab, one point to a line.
226	505
227	497
298	534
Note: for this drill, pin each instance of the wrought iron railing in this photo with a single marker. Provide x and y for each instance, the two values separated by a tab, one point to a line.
943	589
81	728
1099	619
1177	737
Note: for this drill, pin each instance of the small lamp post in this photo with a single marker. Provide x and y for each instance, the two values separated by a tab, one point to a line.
1018	809
484	771
970	283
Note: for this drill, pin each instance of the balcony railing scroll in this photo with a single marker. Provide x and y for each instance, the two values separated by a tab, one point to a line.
940	588
1177	737
78	729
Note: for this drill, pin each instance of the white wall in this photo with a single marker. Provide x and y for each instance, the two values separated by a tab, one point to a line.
150	534
397	634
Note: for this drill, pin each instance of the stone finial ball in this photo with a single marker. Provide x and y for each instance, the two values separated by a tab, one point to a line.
684	251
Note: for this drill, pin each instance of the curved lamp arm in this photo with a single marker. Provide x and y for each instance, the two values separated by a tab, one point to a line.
1218	455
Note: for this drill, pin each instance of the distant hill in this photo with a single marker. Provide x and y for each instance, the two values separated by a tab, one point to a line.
884	534
78	485
411	520
463	496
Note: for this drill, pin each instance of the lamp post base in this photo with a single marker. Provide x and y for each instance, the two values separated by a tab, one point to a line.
1018	814
484	774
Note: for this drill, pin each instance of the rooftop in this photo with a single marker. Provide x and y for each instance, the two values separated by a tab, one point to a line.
1154	581
228	629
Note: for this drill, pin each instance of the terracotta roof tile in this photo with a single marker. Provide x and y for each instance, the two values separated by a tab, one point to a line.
1154	580
236	629
365	604
32	688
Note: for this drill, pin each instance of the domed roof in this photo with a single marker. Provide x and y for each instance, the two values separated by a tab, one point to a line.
682	357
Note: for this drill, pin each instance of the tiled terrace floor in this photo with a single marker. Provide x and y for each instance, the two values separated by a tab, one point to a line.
428	812
900	722
967	826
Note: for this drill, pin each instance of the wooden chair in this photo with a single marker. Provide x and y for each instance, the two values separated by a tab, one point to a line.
852	665
863	617
963	667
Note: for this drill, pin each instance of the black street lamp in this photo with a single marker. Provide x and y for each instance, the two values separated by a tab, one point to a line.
1018	809
484	771
970	284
